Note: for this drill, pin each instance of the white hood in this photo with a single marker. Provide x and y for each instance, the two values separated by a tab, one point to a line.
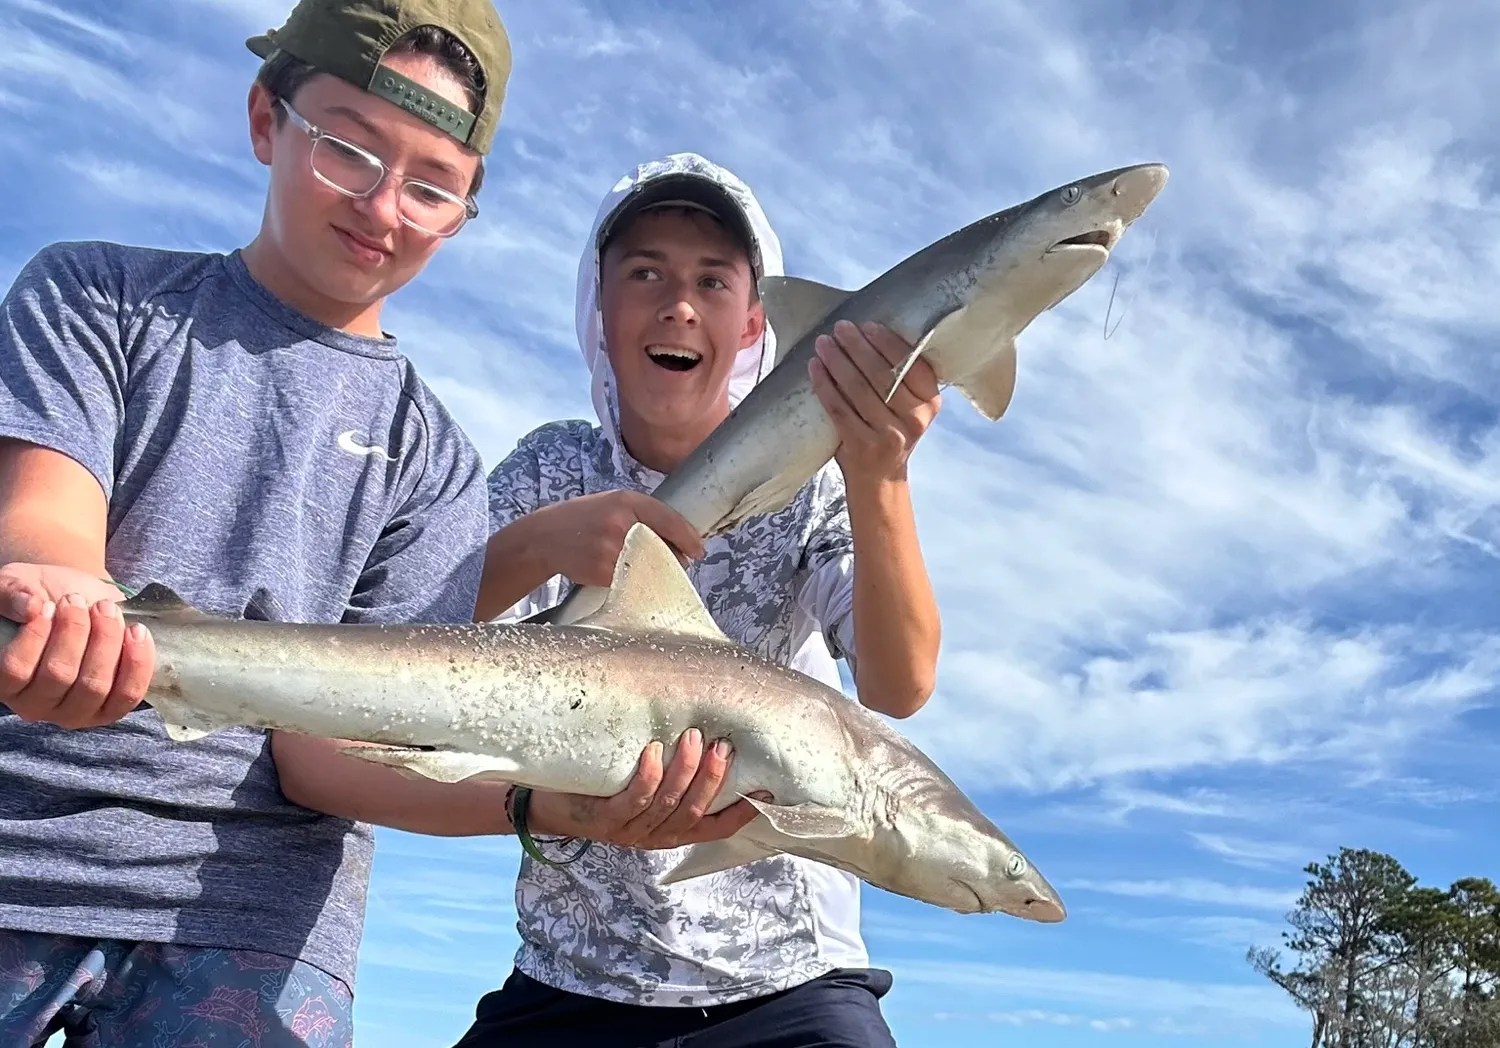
754	362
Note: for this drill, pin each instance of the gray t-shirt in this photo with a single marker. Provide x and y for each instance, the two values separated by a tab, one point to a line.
264	466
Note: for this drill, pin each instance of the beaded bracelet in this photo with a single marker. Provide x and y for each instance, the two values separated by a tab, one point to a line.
517	800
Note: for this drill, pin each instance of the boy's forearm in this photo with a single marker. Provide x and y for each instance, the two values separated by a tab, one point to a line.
315	775
47	519
513	567
896	624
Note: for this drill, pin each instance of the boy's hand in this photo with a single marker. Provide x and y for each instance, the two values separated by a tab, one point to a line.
659	809
851	375
72	663
585	534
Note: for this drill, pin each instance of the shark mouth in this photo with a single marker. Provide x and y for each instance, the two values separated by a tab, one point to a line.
1094	237
674	358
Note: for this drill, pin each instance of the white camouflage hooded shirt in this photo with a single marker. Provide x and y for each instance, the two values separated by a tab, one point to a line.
781	584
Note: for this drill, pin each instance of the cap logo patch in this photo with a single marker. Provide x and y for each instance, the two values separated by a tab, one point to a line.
422	103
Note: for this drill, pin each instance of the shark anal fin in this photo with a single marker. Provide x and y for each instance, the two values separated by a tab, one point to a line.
650	593
438	765
807	821
990	387
794	306
716	857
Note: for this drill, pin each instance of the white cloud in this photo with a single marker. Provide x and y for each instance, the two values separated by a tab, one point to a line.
1193	891
1251	853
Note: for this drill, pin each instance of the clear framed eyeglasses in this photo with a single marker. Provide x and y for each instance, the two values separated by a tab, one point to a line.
357	173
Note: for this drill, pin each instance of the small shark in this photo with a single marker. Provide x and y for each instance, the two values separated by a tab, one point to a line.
960	302
570	708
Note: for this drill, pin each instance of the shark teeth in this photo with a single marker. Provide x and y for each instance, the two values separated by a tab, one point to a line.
674	358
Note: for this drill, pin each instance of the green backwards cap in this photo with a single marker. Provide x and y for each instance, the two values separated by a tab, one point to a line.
348	38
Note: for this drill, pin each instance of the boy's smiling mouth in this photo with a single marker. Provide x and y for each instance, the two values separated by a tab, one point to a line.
674	358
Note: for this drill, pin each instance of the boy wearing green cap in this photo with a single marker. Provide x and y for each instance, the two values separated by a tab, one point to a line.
239	427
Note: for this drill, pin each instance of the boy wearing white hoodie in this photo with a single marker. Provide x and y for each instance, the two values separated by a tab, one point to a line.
674	336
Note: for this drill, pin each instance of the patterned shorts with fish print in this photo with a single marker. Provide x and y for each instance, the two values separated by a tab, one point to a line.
112	994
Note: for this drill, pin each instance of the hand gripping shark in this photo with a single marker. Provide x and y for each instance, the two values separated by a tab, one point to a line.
571	707
961	302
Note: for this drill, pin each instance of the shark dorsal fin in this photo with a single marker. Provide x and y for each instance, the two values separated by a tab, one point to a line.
158	601
651	593
794	306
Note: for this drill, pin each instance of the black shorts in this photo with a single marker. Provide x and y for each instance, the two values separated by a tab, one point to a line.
838	1010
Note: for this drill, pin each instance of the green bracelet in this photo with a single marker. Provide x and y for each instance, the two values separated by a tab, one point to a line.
517	803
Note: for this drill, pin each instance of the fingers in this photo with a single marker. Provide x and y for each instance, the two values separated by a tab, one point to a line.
681	825
674	785
637	797
133	677
672	526
95	673
862	388
874	352
920	380
20	600
61	657
843	414
18	662
77	666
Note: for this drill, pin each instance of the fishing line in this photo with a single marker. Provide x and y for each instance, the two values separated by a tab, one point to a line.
1109	308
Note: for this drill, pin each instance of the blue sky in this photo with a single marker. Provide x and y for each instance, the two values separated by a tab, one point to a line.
1215	592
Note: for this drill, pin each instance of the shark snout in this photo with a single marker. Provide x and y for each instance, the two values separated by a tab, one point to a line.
1136	187
1045	910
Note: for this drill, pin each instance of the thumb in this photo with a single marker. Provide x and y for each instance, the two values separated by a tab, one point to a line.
20	601
672	526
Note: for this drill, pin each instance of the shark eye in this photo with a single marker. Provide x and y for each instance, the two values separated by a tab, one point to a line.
1070	195
1017	864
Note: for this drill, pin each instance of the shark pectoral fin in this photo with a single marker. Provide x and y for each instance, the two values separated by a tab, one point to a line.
716	857
184	723
439	765
807	822
185	726
911	358
990	387
651	593
794	306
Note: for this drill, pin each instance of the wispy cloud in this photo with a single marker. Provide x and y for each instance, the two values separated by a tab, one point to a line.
1252	853
1195	891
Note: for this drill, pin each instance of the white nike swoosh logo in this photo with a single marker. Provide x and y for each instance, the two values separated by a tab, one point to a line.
354	447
